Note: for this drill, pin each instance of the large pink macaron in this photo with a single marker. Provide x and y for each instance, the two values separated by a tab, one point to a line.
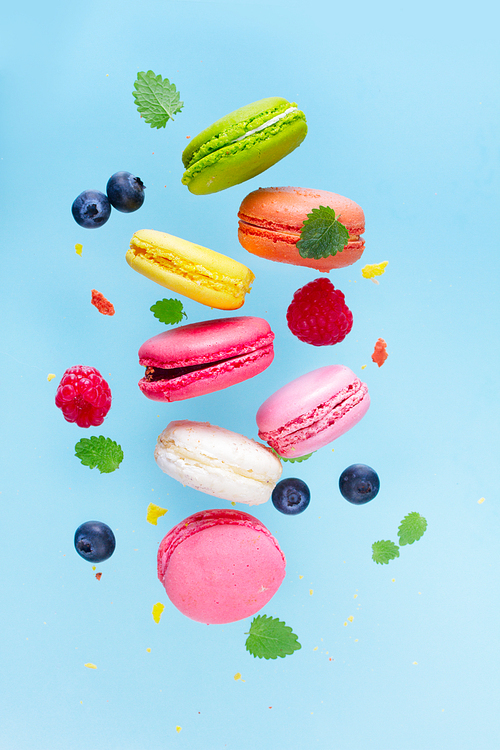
312	410
270	221
204	357
220	566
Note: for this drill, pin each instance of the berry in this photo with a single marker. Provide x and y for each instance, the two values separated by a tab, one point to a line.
318	314
291	496
359	484
83	396
125	192
94	541
91	209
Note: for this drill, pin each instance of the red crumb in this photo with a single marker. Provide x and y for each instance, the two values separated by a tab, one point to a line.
98	576
188	136
380	352
103	305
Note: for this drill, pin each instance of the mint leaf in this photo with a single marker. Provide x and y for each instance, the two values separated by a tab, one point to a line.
293	460
322	234
384	551
100	452
269	638
169	311
157	99
412	527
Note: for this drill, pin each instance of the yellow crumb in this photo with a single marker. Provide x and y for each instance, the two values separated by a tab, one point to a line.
154	513
301	576
78	248
393	580
148	650
355	596
374	269
345	624
93	567
481	500
415	662
237	676
356	640
90	665
157	611
363	367
178	729
233	503
310	592
50	376
350	618
315	648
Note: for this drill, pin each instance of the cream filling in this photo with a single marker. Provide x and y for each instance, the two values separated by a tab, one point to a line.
267	124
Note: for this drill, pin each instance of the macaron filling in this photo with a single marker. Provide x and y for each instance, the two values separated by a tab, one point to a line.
318	419
267	124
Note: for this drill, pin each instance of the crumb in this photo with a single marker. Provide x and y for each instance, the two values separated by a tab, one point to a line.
103	305
363	367
50	376
415	662
78	248
315	648
481	500
350	618
154	513
375	269
310	592
178	729
301	576
380	352
345	624
157	611
237	676
98	576
90	665
393	580
355	596
148	650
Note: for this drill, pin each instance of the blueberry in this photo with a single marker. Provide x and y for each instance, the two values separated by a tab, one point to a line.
94	541
91	209
291	496
125	192
359	484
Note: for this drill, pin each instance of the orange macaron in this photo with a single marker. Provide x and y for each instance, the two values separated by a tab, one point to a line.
271	219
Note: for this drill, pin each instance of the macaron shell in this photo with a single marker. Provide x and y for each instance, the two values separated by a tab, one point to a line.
222	568
297	418
271	220
200	382
189	269
218	462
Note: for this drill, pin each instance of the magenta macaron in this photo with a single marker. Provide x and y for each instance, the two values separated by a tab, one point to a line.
204	357
220	566
312	410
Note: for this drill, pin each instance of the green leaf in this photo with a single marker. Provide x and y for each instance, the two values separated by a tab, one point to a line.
412	527
293	460
100	452
322	234
269	638
169	311
384	551
156	99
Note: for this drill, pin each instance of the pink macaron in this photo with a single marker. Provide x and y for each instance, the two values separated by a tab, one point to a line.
204	357
312	410
220	566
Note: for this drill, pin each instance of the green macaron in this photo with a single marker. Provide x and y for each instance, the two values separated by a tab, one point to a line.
242	145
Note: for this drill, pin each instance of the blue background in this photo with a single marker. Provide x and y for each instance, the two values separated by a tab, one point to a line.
402	108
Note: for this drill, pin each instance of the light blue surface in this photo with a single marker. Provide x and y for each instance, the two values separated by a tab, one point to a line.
402	108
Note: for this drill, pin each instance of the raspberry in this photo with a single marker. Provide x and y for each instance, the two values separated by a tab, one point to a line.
83	396
318	314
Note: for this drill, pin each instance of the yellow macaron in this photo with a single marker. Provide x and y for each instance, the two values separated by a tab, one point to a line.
189	269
